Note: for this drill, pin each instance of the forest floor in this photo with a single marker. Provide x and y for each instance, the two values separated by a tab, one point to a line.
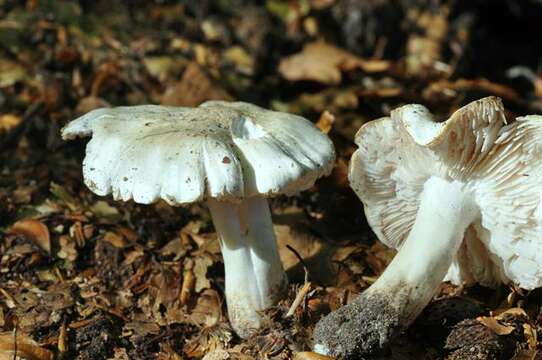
85	277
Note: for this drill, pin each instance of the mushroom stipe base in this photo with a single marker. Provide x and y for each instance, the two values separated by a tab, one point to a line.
255	278
360	328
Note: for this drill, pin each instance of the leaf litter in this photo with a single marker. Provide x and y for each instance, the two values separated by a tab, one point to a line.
87	278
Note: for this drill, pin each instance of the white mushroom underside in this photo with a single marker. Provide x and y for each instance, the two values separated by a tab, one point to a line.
500	166
220	150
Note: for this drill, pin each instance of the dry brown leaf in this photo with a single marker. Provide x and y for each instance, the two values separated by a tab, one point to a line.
380	92
325	122
378	257
120	354
243	61
218	354
515	311
35	231
89	103
188	282
67	248
531	336
201	264
344	252
11	73
174	247
26	348
448	88
525	354
307	355
194	88
142	328
115	240
322	62
493	324
62	338
8	299
8	122
307	246
321	4
208	309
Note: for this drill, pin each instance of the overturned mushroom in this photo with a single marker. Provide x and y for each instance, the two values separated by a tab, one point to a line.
461	200
230	155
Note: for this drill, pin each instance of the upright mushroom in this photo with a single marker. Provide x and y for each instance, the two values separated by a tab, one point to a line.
230	155
460	199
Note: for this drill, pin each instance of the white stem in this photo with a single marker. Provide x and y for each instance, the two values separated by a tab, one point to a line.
409	282
445	211
255	278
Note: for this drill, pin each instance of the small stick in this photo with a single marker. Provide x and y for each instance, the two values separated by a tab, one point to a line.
299	298
15	342
306	286
301	261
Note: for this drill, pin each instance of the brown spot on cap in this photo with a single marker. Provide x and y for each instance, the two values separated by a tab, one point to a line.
226	160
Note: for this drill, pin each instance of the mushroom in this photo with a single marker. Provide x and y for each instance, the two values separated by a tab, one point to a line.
461	201
230	155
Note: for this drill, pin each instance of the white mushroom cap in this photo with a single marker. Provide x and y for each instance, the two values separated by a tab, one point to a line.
500	164
220	150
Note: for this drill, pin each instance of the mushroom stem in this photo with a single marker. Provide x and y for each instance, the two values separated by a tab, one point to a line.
255	278
409	282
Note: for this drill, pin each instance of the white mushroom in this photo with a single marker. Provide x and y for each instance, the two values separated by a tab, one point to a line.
460	199
231	155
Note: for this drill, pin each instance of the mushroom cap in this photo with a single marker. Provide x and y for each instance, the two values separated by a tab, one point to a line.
499	164
222	150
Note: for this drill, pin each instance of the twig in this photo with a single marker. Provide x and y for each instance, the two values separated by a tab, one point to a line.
15	342
307	273
306	286
299	298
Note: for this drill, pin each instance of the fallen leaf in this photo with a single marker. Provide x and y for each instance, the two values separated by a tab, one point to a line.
378	257
116	240
322	62
11	73
201	264
321	4
35	231
307	355
62	339
142	328
344	252
23	348
243	62
531	336
8	122
103	210
495	326
120	354
89	103
325	122
218	354
188	283
446	88
174	247
194	88
208	309
163	67
63	195
525	354
515	311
